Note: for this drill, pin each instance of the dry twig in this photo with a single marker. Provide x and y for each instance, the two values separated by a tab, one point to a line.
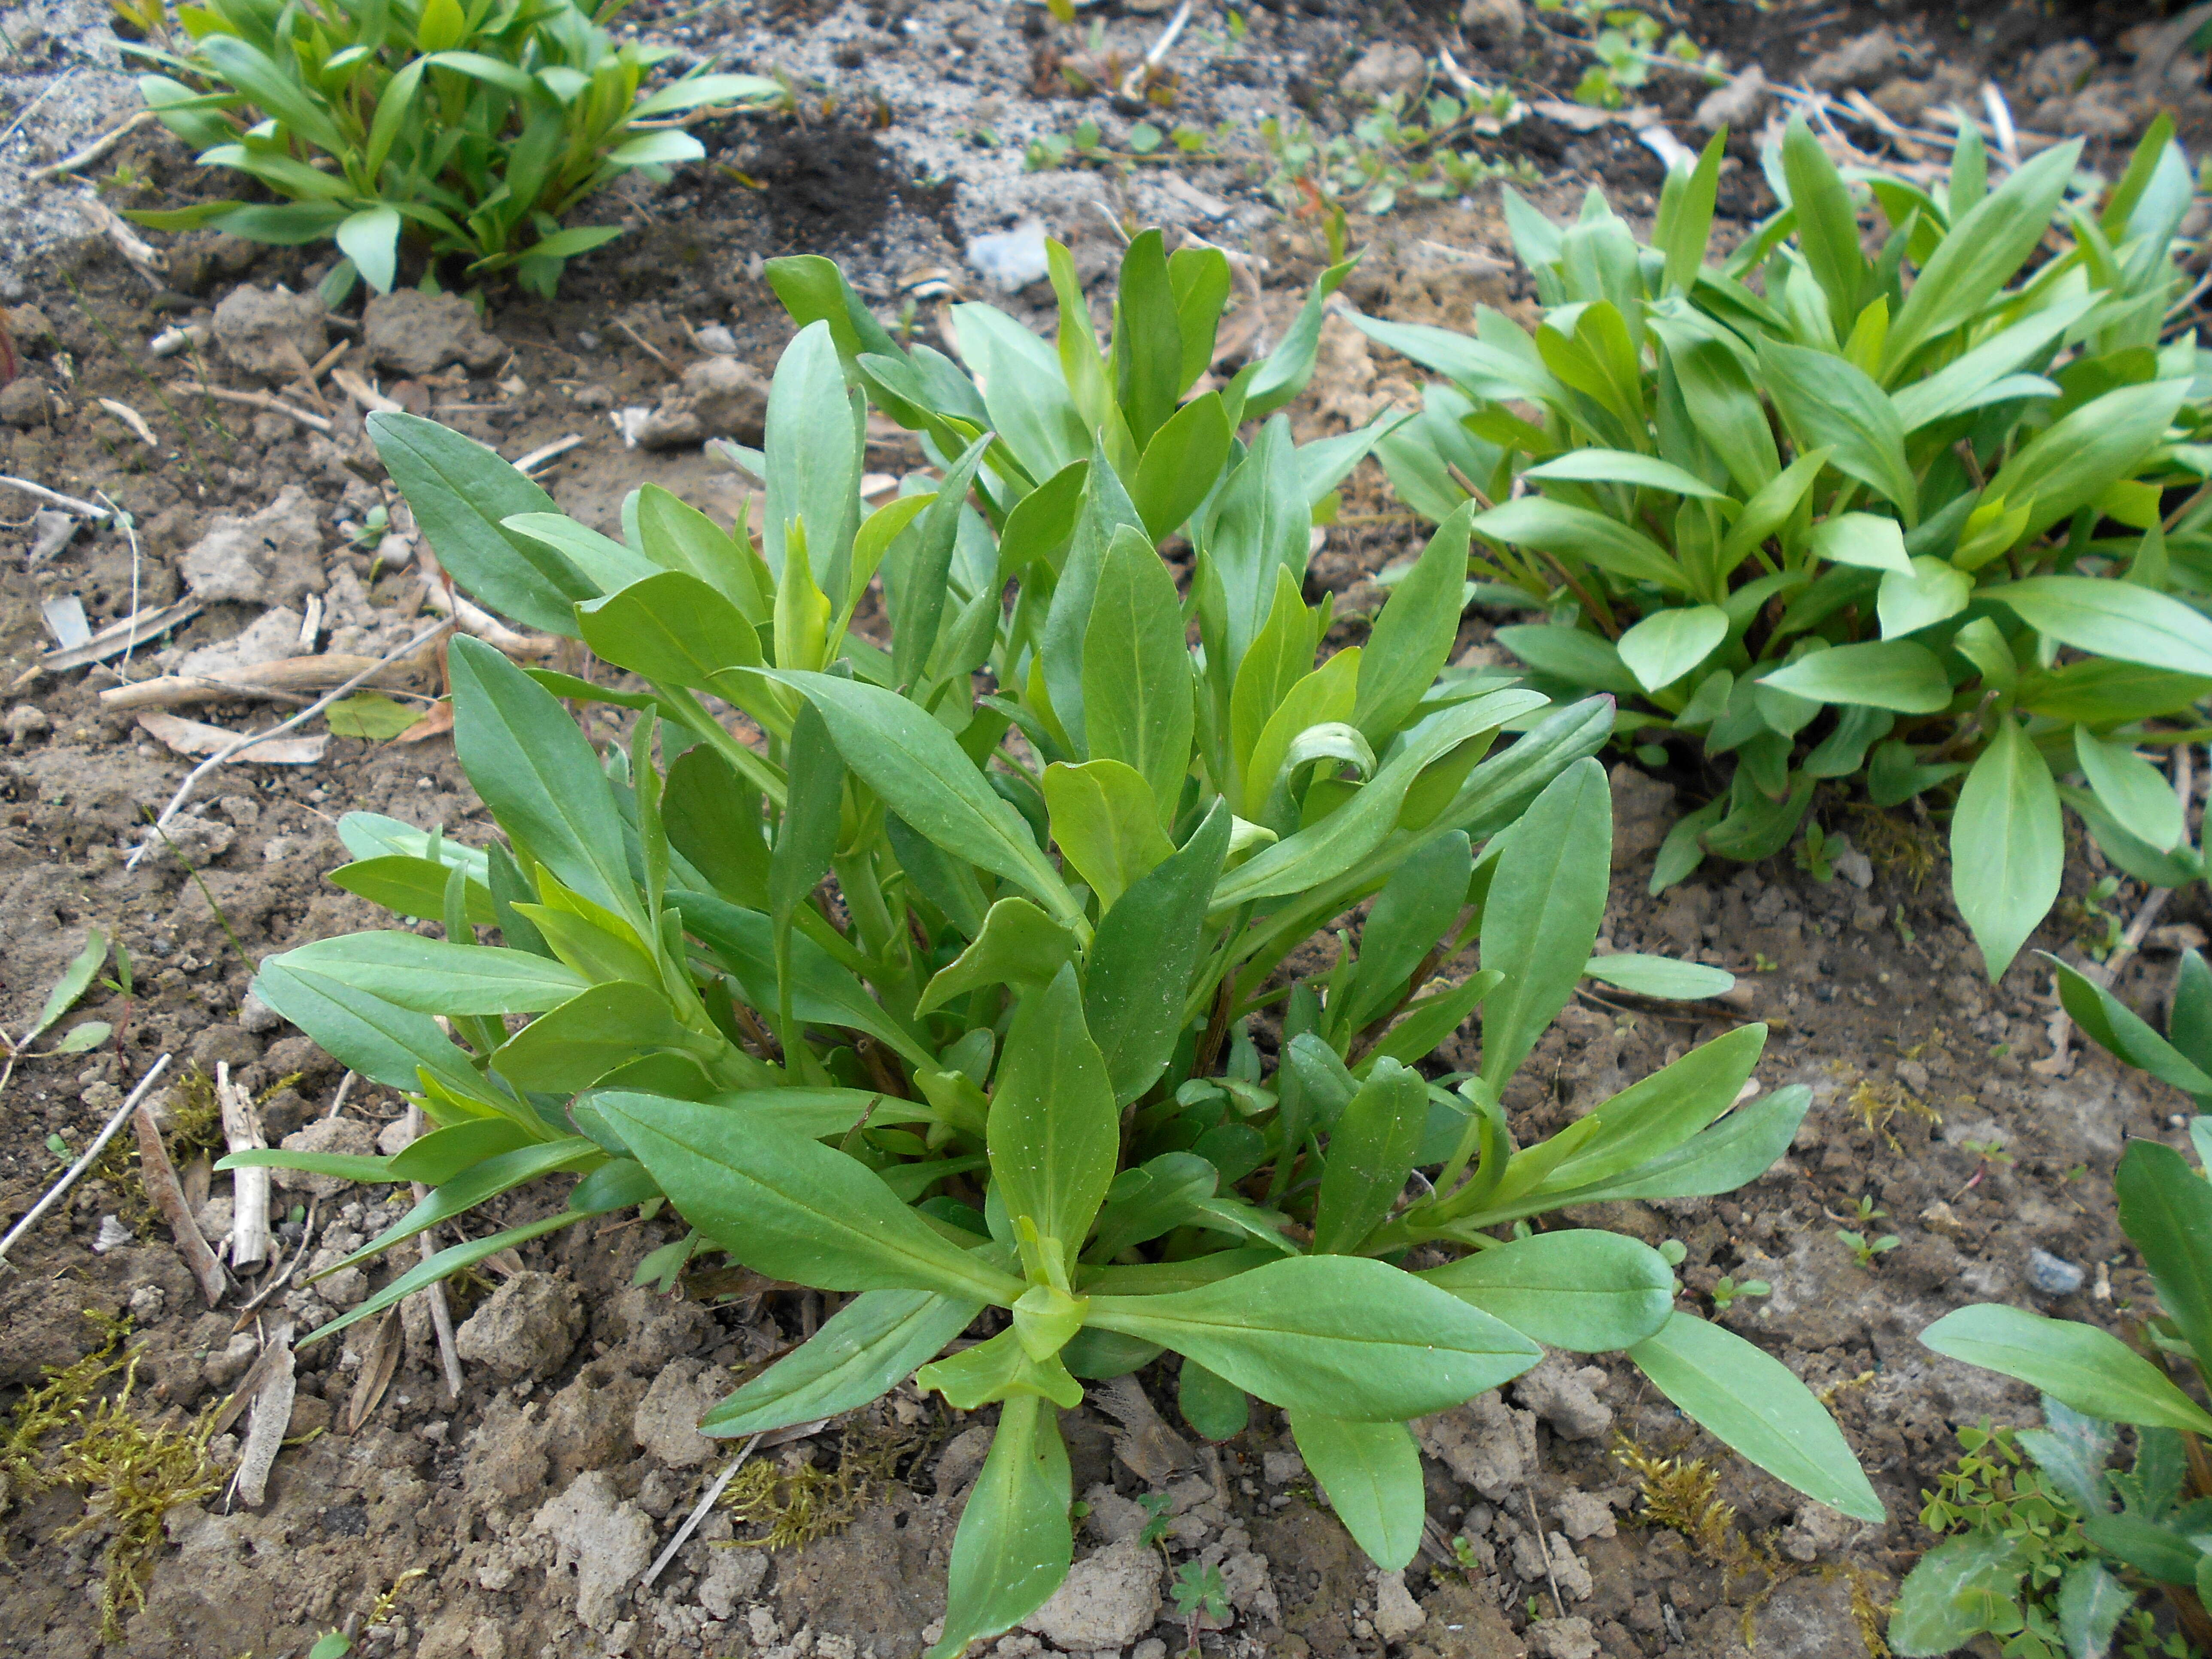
193	778
252	400
158	1176
241	1130
76	1171
276	680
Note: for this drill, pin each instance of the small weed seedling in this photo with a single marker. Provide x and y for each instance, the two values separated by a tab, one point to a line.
1812	854
1864	1249
1726	1291
1200	1593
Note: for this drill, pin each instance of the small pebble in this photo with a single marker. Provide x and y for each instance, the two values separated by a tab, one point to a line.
113	1235
2052	1275
716	339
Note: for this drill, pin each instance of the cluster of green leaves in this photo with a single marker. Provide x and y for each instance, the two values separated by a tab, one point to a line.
1854	525
1626	42
468	130
1410	144
2054	1574
942	992
1145	143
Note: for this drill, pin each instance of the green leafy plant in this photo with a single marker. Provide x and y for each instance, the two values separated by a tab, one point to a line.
466	130
1425	143
2042	1556
1902	521
962	982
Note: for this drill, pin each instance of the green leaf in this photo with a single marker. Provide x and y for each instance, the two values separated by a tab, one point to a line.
245	67
1830	402
812	457
1931	591
2156	1550
462	494
1371	1153
1328	848
923	776
2112	619
440	977
539	777
1690	223
1014	1543
1898	675
1948	1597
453	1259
1284	373
1627	467
1828	225
1411	639
1866	539
1340	1335
1327	696
2092	1371
1985	247
1554	528
83	1039
2132	790
2008	845
72	984
792	1209
1668	644
2071	463
1371	1473
1545	904
370	716
1751	1401
1137	682
1019	945
1180	466
812	289
1583	660
870	1344
1148	343
2072	1451
1055	1134
2166	1210
370	238
577	1043
1141	961
386	1043
1660	977
1410	917
920	583
675	628
2091	1603
1217	1410
1583	1290
1106	822
1772	505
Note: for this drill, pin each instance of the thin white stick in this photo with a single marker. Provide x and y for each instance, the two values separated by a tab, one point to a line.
92	151
24	113
192	777
40	493
538	457
698	1514
242	1132
1152	59
441	1314
77	1169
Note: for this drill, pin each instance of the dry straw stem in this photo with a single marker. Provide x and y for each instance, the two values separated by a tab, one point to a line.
441	1312
76	1171
265	1430
160	1176
193	778
242	1132
252	400
285	677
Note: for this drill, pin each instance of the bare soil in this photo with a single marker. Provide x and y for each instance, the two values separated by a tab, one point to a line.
521	1506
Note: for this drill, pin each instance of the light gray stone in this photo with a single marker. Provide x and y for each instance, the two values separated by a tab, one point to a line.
1108	1600
273	557
270	331
528	1330
604	1542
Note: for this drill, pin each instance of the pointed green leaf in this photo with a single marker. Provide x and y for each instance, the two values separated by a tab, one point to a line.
1373	1474
1583	1290
1141	961
1746	1398
2090	1370
1019	945
1014	1544
2008	846
870	1344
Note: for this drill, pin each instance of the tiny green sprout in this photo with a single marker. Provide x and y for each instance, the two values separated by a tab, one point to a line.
1904	933
1812	856
1762	963
331	1645
1987	1151
2076	1173
1863	1249
1726	1291
370	529
58	1147
1463	1552
1238	26
1866	1210
1155	1504
1674	1250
